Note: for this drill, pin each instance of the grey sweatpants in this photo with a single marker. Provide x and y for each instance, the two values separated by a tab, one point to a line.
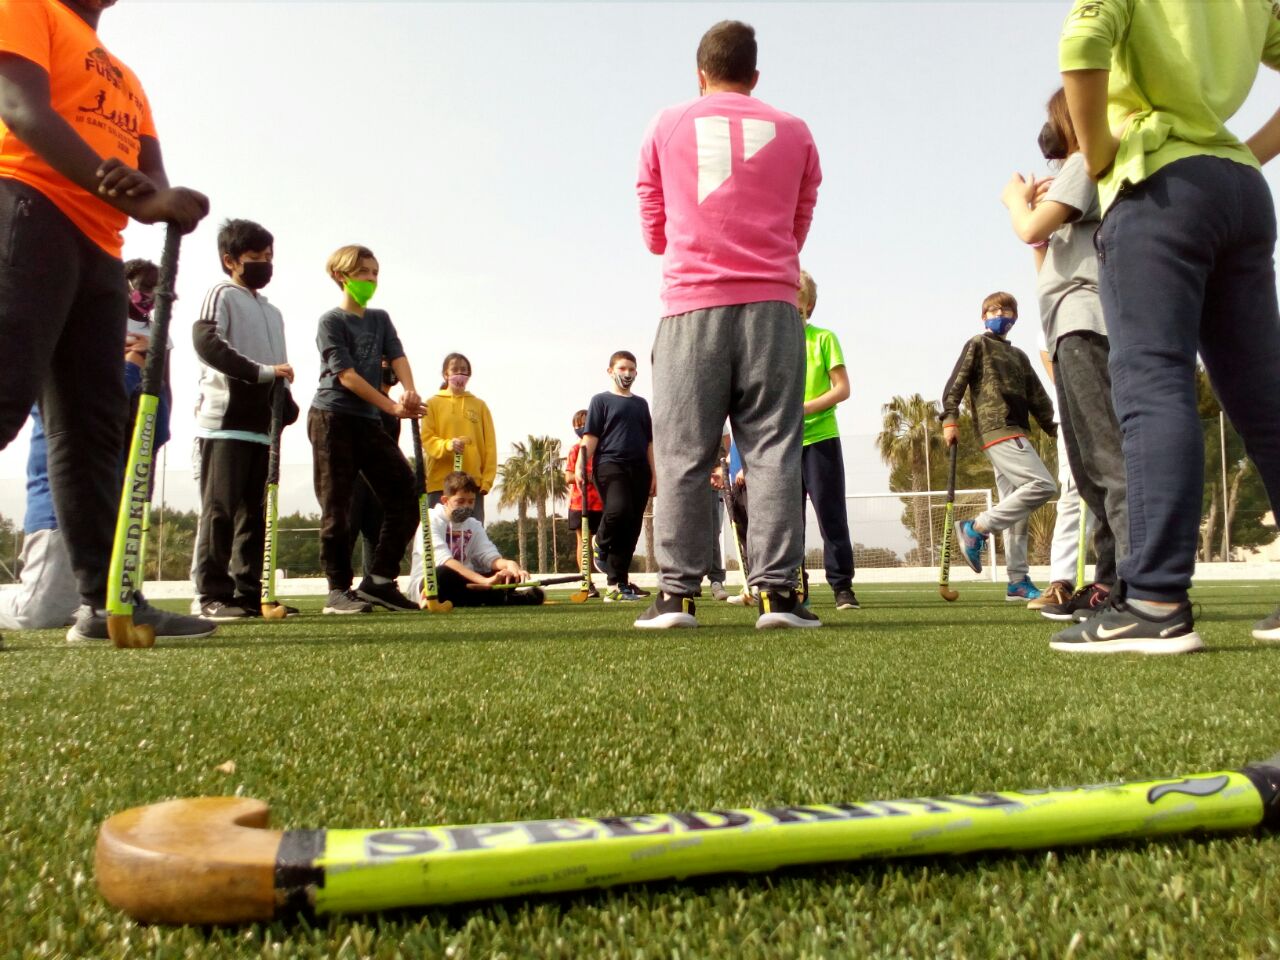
744	362
1024	483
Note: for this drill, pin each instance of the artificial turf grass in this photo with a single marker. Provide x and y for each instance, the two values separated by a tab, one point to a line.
402	720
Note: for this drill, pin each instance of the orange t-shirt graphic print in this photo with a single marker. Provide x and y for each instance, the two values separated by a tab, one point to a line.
89	88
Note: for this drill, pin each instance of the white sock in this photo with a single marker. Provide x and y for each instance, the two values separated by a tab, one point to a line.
1150	609
379	581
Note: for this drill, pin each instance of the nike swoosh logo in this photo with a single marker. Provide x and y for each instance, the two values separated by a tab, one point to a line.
1105	634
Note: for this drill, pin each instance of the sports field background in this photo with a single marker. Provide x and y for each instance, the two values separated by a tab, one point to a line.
405	720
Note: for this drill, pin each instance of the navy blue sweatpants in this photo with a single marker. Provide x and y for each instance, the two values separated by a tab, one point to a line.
1185	264
822	467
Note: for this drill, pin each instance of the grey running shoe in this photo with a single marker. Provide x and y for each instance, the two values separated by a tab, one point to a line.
781	609
345	601
718	592
91	624
668	610
386	595
1119	628
1268	630
219	611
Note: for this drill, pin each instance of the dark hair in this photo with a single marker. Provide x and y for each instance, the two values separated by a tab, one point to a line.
238	237
459	482
138	267
1005	301
1058	135
727	52
621	355
580	418
444	367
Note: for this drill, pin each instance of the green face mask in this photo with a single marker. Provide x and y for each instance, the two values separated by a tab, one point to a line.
361	291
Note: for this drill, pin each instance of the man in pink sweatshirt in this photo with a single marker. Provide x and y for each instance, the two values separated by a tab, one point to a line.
727	187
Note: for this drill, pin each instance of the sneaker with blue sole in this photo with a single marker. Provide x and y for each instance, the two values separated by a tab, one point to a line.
971	544
1021	591
598	560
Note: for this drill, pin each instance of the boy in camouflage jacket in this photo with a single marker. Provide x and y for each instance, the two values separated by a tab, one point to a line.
1004	393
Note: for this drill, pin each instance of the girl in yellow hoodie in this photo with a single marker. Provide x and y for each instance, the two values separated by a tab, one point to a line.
458	422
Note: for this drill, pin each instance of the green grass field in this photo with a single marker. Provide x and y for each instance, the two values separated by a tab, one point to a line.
404	720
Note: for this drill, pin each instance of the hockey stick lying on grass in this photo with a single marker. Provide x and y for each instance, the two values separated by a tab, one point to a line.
125	573
271	609
430	587
540	582
210	860
944	573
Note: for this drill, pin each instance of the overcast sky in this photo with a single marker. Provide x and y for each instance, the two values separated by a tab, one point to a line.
487	153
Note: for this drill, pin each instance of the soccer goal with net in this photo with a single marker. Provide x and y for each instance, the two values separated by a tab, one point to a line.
897	537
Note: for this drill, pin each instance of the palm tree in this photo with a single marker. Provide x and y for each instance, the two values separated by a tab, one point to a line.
519	484
910	438
546	473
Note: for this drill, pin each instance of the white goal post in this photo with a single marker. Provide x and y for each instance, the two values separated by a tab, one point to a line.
897	537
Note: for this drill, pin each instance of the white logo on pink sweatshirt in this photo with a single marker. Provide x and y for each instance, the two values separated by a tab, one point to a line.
727	186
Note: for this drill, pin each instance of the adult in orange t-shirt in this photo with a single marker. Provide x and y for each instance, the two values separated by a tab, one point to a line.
78	158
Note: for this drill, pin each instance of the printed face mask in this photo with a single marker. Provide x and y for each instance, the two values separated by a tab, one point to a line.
1000	325
142	302
256	274
458	381
361	291
461	514
624	380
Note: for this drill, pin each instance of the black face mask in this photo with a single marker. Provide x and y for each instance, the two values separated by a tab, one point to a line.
256	274
1051	143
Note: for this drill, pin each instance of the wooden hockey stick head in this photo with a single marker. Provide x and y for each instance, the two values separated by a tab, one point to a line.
190	861
127	635
274	611
947	594
432	605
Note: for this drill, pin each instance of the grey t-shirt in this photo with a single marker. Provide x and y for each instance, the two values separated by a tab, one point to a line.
348	342
1068	283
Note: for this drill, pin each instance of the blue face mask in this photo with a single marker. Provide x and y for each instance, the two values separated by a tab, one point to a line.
1000	325
580	431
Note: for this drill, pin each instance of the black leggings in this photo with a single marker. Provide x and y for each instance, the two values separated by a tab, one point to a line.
625	491
63	307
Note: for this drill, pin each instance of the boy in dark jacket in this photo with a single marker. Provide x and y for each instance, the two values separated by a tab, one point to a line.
239	339
1003	391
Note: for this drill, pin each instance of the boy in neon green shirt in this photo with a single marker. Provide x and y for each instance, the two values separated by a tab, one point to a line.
822	460
1186	264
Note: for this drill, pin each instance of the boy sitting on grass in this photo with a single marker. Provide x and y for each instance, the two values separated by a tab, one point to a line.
1003	390
464	554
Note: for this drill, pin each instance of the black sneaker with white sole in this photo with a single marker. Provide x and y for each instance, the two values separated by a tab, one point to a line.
345	601
784	609
526	597
224	611
668	610
846	599
1120	628
254	606
91	624
1080	606
1268	630
386	595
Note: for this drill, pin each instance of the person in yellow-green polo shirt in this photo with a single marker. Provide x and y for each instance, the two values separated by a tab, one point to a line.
1186	265
826	384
